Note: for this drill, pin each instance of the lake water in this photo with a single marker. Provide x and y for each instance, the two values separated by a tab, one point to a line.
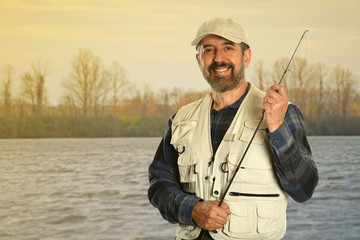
97	189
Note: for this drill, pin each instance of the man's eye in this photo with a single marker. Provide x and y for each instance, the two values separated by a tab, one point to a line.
208	51
228	48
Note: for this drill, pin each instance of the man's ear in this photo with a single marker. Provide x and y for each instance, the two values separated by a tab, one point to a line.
198	59
247	57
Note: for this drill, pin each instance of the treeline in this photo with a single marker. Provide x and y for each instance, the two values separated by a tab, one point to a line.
100	101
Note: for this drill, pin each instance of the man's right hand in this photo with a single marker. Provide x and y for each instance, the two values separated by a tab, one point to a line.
209	216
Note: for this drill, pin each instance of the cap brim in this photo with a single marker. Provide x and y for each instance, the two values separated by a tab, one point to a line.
229	37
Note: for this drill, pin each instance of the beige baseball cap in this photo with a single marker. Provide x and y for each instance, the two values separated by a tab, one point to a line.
223	27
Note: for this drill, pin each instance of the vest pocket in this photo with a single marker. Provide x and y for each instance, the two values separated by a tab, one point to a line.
187	168
268	218
188	172
248	220
248	173
241	220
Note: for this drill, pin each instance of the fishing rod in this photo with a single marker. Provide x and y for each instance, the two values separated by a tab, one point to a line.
202	233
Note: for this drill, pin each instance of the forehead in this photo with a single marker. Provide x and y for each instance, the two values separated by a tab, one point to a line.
214	40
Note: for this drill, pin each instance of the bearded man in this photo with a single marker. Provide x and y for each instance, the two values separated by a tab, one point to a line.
206	139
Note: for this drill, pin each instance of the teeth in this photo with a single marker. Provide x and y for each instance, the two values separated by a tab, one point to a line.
221	69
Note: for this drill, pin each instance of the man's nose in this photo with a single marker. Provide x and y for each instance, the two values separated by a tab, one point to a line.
218	56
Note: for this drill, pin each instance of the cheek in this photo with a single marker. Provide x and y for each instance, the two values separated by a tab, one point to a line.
202	65
240	63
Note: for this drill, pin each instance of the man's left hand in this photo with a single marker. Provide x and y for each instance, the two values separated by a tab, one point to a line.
274	106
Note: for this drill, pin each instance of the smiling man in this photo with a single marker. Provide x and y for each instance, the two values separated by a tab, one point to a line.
206	139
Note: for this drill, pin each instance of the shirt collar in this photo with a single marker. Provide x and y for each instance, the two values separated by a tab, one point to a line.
241	99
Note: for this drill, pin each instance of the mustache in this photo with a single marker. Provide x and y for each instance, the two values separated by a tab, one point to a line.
215	65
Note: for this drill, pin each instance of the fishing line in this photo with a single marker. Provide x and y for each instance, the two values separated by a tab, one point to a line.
306	50
202	233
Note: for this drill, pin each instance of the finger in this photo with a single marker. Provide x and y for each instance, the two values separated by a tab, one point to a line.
222	213
215	223
226	208
215	226
273	94
270	100
280	89
276	87
265	99
221	221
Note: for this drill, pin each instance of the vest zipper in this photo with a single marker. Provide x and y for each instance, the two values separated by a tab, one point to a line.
237	194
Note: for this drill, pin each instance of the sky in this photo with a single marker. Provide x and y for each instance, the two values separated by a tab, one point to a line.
151	39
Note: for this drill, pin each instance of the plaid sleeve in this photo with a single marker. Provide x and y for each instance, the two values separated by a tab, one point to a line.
293	160
165	192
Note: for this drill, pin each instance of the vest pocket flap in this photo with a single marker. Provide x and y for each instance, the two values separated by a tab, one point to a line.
257	162
189	122
240	210
182	130
253	123
268	211
186	160
241	220
249	129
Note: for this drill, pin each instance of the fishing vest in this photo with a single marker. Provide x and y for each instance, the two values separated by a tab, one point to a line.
256	201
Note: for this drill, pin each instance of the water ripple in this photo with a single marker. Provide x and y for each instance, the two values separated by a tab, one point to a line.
70	219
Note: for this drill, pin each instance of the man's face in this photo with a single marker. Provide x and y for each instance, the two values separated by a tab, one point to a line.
222	62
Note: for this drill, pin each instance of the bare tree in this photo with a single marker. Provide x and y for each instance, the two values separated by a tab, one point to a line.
68	102
168	101
299	73
298	82
344	81
260	74
7	86
28	89
279	67
148	102
33	87
120	85
320	73
163	102
100	92
144	103
84	79
39	72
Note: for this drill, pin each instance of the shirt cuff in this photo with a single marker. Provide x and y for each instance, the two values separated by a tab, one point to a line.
281	139
187	209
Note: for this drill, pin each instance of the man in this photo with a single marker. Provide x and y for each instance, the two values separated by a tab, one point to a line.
206	139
